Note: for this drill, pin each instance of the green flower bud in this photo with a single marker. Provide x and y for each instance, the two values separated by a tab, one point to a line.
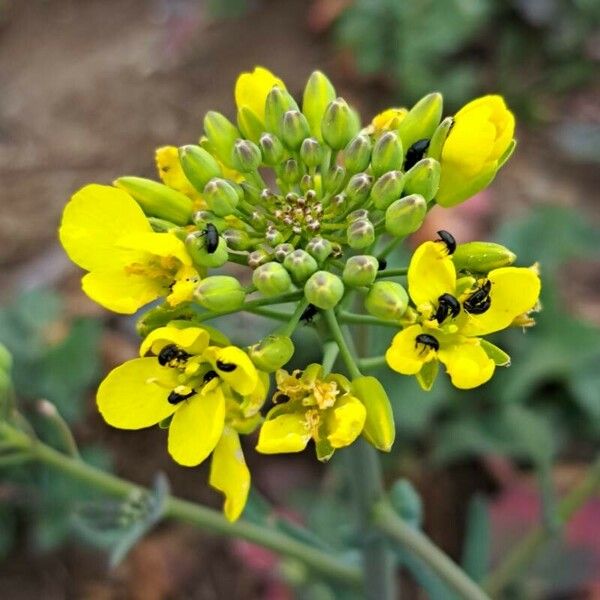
482	257
318	93
278	103
195	244
387	154
421	120
379	429
246	156
358	187
271	148
198	165
202	217
387	189
258	257
311	152
423	179
340	124
360	270
324	290
294	129
319	248
335	179
221	134
301	265
386	300
157	200
273	236
271	353
221	197
439	138
292	172
250	192
306	184
405	215
271	279
249	124
357	154
355	215
237	239
220	293
360	234
282	250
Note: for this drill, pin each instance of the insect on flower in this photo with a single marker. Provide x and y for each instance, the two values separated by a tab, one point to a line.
211	235
427	341
479	301
448	305
448	240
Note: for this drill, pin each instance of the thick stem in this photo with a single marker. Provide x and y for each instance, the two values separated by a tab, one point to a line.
527	549
291	325
389	522
372	362
183	510
349	317
367	482
392	273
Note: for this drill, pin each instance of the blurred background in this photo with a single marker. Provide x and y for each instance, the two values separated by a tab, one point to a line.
88	90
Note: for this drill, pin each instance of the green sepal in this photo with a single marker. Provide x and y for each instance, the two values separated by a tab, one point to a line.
379	429
427	375
500	358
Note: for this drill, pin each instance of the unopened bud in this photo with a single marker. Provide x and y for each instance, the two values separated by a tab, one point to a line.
306	183
271	353
292	172
386	300
246	156
423	179
198	165
278	102
258	257
340	124
202	254
271	148
221	134
387	189
311	152
318	93
319	248
282	250
271	279
482	257
405	215
360	234
359	213
220	293
202	217
324	290
379	429
388	154
421	120
358	187
357	154
439	138
249	124
360	270
335	179
157	199
221	197
294	129
301	265
237	239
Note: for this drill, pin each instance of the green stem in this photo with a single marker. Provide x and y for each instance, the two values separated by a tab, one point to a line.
348	317
330	354
391	245
183	510
386	519
367	482
50	413
391	273
373	362
289	328
269	313
527	549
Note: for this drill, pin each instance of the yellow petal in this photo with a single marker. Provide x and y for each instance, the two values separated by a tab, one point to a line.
194	340
345	421
240	373
229	473
171	173
515	290
95	217
467	364
130	397
252	89
431	273
120	291
286	432
196	427
388	119
254	401
156	244
405	355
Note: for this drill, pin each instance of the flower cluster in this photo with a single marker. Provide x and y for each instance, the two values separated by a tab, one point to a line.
312	202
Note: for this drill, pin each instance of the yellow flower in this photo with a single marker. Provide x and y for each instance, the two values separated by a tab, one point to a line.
453	313
105	232
388	119
480	141
171	174
205	394
312	407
